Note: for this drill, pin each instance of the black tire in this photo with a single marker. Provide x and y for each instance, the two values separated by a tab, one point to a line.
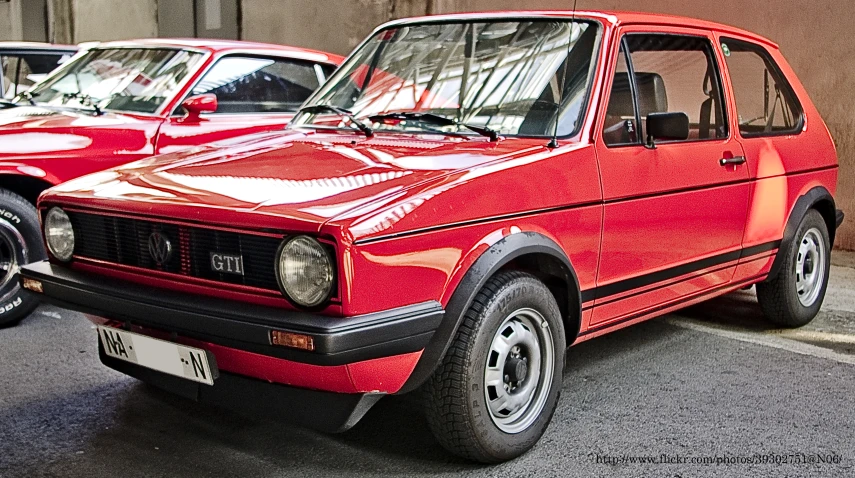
457	407
19	223
779	297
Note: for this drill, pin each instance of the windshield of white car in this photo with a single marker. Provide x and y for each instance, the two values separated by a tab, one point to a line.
503	76
120	79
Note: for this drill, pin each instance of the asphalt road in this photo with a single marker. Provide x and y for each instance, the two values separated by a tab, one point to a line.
712	383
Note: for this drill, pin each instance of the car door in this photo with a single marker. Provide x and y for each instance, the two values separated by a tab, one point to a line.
254	94
770	126
673	214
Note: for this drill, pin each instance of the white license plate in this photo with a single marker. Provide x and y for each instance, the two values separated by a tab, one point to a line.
167	357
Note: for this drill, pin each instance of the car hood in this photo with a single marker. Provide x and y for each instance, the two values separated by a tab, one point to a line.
32	132
305	178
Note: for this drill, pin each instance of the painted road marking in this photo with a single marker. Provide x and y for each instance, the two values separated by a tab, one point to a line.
814	336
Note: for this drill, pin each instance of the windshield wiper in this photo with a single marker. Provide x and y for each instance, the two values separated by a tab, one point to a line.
437	120
29	97
84	100
16	102
315	109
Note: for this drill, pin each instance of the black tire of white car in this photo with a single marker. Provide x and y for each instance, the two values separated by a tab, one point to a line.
793	297
461	405
20	243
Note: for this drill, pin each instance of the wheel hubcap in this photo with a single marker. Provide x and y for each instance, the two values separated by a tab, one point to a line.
519	370
810	267
13	251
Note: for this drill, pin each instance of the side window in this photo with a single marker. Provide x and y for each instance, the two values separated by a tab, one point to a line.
26	75
621	125
258	85
22	72
328	70
765	102
8	65
678	74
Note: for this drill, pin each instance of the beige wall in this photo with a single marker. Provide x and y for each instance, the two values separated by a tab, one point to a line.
332	25
112	20
10	20
815	37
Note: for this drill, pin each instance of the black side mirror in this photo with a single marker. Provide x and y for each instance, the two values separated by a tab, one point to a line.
667	127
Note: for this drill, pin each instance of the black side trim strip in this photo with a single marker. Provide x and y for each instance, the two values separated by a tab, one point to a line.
627	285
645	280
734	285
759	249
660	286
589	295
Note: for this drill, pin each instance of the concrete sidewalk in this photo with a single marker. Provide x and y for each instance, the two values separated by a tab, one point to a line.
843	258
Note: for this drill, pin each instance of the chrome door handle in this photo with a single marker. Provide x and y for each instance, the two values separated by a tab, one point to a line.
734	161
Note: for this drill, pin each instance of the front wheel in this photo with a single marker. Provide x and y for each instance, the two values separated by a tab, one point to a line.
794	296
20	243
494	393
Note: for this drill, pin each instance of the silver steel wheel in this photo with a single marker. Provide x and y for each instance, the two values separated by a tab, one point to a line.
13	251
810	267
519	370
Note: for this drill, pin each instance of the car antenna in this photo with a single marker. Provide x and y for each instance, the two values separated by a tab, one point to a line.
553	143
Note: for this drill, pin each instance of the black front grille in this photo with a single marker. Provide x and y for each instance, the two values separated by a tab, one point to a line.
125	241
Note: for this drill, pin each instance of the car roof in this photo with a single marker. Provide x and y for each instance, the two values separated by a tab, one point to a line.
614	18
224	46
25	46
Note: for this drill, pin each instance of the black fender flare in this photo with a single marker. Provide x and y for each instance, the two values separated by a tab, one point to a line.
488	263
803	204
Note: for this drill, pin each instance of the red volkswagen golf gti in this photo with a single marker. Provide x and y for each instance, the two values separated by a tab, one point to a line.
122	101
464	199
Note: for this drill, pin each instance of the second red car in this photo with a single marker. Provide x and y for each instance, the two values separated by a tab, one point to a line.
123	101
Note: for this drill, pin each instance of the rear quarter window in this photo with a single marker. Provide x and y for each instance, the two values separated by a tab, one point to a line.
765	102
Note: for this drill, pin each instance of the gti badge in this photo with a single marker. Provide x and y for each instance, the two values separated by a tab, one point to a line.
227	263
160	248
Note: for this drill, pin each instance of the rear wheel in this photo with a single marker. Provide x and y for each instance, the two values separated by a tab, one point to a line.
495	391
795	295
20	243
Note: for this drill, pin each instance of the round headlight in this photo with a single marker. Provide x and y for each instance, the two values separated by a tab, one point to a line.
59	234
305	270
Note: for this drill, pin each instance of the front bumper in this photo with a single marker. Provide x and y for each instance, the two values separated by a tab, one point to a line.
353	355
239	325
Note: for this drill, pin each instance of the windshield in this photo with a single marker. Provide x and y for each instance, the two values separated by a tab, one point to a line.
504	76
123	79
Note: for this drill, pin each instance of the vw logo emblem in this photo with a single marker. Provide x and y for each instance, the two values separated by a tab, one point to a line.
160	248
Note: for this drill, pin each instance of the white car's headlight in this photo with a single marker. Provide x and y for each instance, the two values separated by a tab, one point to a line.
305	271
59	234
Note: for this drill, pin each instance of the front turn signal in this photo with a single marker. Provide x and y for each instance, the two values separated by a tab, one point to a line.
33	285
290	339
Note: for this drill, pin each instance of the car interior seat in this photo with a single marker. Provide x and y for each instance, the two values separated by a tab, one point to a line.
652	98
